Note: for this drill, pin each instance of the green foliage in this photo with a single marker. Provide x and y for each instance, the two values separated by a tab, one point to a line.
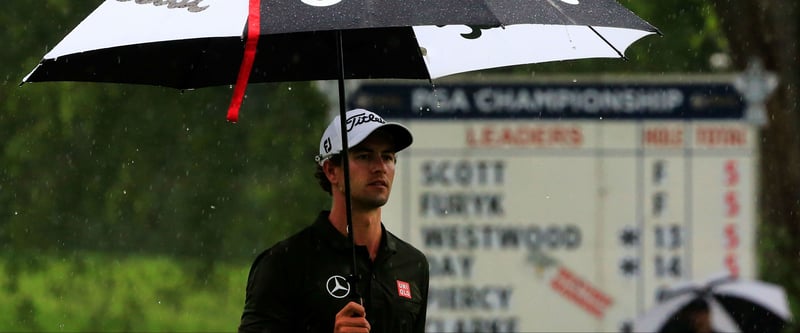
153	170
100	293
781	267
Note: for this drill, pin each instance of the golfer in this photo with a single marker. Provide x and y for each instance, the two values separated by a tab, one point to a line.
302	283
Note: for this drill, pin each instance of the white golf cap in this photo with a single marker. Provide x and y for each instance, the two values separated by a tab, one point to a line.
360	124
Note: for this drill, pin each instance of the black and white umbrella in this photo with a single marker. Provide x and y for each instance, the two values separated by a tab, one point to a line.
733	305
189	44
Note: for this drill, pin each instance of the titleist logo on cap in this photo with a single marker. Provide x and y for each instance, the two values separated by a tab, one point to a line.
362	119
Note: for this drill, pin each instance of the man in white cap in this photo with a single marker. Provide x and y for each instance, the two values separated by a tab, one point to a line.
304	283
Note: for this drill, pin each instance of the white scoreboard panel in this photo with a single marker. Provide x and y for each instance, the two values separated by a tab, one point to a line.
547	224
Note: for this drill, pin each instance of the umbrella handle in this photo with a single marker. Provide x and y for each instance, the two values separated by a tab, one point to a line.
353	279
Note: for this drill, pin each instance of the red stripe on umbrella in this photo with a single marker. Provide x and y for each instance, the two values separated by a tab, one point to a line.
253	31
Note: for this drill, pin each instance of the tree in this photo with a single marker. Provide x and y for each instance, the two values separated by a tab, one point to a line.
768	30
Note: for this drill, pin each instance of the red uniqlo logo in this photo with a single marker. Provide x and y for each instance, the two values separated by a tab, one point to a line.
403	289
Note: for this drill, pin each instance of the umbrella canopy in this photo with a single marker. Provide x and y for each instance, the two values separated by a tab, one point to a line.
732	305
190	44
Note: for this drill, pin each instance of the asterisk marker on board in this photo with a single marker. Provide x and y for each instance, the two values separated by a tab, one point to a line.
629	266
629	237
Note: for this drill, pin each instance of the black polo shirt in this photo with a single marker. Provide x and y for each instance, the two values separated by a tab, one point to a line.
299	284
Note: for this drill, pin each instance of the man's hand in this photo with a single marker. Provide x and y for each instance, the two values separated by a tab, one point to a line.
351	319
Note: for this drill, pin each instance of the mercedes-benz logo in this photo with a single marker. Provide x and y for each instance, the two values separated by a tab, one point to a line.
338	286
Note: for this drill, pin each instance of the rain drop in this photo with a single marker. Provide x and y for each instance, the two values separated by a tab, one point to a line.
547	196
436	95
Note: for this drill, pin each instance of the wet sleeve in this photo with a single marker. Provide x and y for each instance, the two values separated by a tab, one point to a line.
267	306
419	326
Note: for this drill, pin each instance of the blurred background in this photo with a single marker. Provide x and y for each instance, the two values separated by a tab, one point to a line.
137	208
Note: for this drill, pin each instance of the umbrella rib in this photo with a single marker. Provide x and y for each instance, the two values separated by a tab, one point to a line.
607	42
568	18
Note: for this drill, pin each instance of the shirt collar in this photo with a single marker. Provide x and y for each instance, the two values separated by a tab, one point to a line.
337	241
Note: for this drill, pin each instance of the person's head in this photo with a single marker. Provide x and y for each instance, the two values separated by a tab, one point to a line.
694	317
699	316
372	144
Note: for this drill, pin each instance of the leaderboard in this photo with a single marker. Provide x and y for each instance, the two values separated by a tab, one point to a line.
567	206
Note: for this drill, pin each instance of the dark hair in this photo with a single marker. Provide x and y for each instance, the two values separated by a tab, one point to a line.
683	321
320	174
697	305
